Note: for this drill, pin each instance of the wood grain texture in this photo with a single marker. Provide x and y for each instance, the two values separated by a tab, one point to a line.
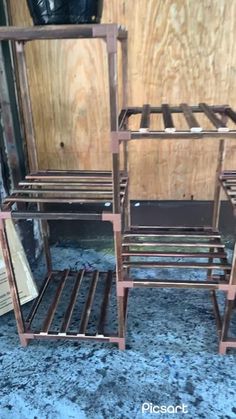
179	51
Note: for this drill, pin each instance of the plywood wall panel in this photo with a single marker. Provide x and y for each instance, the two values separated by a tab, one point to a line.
179	50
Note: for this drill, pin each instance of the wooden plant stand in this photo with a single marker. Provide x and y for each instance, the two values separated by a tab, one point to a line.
182	248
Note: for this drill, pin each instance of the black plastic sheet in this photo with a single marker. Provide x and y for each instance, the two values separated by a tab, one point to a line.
53	12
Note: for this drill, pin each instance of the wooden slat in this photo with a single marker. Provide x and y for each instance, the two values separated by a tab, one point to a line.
209	285
188	230
228	175
65	172
145	119
88	305
71	305
59	32
65	192
202	255
190	118
38	300
52	309
213	118
56	200
229	112
167	118
231	192
122	118
231	188
67	176
66	183
104	305
179	265
141	235
178	244
56	215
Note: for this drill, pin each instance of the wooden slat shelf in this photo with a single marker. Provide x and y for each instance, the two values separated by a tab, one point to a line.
75	305
68	187
188	248
214	115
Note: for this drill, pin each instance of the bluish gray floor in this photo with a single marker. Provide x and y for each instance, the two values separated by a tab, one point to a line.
171	358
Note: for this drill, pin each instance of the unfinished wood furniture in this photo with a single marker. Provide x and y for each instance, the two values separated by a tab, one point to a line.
30	198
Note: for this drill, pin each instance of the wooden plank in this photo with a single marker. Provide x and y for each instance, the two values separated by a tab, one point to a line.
175	254
190	118
229	112
167	118
217	122
59	32
145	119
179	265
57	200
88	304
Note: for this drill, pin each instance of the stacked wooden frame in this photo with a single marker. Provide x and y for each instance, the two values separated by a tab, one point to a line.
227	181
30	198
157	247
183	248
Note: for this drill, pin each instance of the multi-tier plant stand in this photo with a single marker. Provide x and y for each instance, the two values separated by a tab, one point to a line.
30	198
182	248
227	180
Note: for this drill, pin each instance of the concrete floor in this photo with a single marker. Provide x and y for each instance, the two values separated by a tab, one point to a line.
171	358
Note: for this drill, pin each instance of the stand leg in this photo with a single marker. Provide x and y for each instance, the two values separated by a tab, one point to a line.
26	106
119	277
114	127
215	222
44	228
124	49
217	201
229	306
226	324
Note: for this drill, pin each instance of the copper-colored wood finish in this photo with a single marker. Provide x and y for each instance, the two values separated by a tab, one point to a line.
70	187
90	290
170	131
137	247
60	32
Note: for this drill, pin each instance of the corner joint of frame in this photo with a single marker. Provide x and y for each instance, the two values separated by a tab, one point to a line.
229	289
117	137
5	215
115	219
232	293
223	347
112	38
122	285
